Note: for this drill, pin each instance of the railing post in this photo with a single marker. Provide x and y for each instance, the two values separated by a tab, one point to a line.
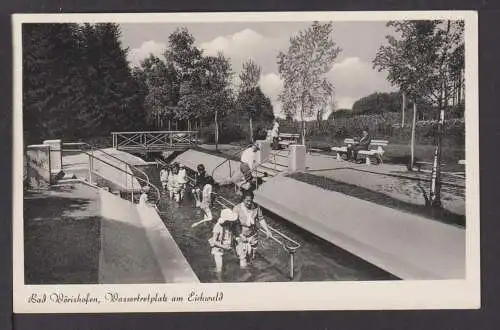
292	253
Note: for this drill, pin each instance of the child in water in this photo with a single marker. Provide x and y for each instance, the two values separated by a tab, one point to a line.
174	183
222	237
164	177
182	181
200	180
206	201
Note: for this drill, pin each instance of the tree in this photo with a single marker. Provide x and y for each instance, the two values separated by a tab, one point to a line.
162	89
378	103
216	88
421	62
186	60
310	56
255	106
249	79
76	82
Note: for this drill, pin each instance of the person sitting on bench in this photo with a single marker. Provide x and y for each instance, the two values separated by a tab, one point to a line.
362	144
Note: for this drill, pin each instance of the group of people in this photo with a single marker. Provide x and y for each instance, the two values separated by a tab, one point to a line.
173	180
236	229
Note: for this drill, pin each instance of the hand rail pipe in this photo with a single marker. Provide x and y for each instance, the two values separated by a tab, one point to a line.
91	170
93	148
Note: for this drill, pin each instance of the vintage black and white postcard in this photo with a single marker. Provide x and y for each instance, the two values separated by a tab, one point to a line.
246	161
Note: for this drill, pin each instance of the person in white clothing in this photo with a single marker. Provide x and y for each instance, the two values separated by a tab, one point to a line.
173	183
275	135
143	200
249	156
206	201
182	176
164	177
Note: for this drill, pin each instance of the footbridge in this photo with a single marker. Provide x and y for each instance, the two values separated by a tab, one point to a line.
154	140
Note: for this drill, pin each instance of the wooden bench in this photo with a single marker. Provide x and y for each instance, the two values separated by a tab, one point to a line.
286	139
377	153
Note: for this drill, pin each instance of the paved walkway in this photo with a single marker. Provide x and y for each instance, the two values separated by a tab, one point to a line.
406	245
76	234
61	235
390	179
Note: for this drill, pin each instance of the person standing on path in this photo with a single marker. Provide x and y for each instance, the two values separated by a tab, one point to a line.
249	215
275	135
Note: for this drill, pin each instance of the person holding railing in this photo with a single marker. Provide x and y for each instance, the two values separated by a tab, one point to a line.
249	215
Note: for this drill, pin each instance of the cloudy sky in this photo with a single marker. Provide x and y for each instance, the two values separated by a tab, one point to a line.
352	74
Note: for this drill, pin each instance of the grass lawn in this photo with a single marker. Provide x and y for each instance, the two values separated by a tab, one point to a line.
442	215
60	248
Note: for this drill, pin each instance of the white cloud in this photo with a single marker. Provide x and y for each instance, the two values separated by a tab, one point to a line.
239	44
136	55
353	79
271	85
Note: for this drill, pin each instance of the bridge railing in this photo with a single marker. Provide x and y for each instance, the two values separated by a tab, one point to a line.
154	140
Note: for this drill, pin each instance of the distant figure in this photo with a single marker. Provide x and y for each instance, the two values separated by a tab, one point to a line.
164	177
143	200
200	180
249	155
182	181
249	214
174	183
362	144
222	237
275	135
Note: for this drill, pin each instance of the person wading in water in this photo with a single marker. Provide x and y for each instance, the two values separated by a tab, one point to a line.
249	216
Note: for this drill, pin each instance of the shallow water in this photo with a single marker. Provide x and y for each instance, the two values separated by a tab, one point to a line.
315	260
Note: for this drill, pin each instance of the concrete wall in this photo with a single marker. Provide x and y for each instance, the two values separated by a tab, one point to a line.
38	166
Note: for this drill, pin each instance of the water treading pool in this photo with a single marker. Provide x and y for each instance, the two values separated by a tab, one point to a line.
315	260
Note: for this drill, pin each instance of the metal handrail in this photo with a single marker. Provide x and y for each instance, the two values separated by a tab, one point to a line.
126	172
229	159
93	148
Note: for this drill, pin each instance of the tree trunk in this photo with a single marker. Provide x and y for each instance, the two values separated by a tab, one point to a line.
216	132
251	130
412	146
435	192
403	107
169	125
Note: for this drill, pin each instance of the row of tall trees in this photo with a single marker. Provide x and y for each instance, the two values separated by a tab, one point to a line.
186	85
76	82
425	59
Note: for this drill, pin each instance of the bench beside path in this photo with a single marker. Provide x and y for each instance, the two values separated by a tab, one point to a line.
405	245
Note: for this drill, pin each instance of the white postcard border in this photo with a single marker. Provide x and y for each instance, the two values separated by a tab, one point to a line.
441	294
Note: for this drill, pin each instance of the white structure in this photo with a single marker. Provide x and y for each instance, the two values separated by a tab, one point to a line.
55	155
297	158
